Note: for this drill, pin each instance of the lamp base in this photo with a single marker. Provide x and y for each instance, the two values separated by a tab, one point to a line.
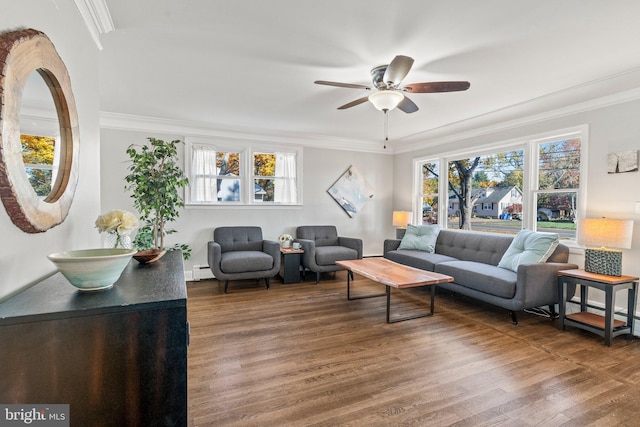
603	261
400	232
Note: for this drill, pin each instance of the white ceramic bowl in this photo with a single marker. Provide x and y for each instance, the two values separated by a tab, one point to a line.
92	269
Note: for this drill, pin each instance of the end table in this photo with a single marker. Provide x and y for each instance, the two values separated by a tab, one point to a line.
290	265
606	326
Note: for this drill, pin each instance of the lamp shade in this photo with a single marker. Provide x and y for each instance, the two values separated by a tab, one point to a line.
604	232
402	218
386	99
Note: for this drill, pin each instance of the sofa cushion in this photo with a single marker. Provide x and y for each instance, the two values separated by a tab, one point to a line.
485	278
417	259
328	255
487	248
244	261
420	237
529	247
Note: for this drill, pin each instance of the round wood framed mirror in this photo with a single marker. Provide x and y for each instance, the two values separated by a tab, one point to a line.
23	53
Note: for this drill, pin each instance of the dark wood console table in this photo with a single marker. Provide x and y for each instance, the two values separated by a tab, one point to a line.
118	357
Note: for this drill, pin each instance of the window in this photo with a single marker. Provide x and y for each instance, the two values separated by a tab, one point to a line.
216	176
39	154
219	175
274	177
556	190
533	184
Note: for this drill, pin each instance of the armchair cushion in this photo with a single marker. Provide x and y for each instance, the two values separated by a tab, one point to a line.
245	261
328	255
238	238
322	235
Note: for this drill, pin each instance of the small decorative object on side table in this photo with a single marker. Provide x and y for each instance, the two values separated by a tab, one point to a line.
291	262
606	326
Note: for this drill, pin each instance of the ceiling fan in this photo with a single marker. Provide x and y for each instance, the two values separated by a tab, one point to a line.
388	94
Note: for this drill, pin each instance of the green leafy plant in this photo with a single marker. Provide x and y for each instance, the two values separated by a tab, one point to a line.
154	180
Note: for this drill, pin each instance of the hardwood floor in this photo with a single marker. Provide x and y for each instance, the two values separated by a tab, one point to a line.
302	355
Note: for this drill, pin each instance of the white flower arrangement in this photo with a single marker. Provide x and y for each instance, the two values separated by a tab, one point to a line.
285	238
117	222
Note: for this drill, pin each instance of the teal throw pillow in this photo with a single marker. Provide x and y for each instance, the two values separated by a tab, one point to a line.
529	247
420	237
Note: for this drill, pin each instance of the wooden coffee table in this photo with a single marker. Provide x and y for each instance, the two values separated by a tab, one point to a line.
392	275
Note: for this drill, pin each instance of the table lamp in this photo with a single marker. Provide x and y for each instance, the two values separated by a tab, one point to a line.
401	219
604	233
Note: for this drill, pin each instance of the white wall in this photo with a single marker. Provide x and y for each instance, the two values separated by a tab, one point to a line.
23	256
611	129
321	168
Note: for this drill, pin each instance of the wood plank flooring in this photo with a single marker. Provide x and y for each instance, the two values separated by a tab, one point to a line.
302	355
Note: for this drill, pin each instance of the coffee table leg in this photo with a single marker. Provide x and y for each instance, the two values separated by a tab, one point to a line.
417	316
350	298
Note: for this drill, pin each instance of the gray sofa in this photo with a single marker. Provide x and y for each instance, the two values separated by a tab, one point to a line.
472	258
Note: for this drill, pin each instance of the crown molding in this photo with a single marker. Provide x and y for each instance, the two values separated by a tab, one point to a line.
109	120
96	17
501	120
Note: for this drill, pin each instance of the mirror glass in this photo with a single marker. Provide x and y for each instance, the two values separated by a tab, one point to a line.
39	135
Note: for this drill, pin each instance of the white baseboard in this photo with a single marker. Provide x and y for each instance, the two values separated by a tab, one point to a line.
198	272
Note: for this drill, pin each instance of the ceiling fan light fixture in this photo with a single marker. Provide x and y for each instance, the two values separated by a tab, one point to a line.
386	100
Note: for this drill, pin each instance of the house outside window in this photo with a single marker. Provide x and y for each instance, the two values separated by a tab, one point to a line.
533	184
221	175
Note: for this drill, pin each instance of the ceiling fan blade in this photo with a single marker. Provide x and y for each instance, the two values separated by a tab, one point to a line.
354	103
398	69
408	106
347	85
433	87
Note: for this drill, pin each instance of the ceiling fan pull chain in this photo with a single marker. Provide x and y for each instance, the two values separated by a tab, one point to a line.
386	127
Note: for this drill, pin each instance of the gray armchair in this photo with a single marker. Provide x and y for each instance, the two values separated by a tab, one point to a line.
238	253
323	247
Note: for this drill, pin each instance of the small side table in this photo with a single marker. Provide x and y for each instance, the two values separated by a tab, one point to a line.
606	326
291	261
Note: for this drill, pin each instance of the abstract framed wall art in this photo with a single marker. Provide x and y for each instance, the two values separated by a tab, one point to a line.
624	161
351	191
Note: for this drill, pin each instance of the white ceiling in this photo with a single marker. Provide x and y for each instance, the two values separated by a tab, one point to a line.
250	65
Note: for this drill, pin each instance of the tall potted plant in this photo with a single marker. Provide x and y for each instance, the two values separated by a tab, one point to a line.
154	180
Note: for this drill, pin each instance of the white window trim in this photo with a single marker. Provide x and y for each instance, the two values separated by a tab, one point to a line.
246	148
530	145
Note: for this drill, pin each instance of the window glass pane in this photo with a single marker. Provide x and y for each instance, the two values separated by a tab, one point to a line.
486	192
228	190
40	180
264	164
556	213
429	196
559	164
263	190
227	163
430	209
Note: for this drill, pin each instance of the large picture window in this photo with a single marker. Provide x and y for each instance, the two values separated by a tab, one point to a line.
534	184
221	175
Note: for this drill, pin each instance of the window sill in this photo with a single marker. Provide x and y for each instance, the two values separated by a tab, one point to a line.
241	206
